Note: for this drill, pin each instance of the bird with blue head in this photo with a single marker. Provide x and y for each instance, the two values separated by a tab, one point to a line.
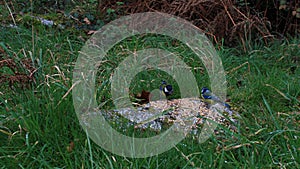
210	98
166	88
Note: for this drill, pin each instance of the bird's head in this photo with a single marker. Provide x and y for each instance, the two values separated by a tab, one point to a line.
204	90
167	89
164	82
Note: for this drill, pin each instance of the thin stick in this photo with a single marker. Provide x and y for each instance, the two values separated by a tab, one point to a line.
10	13
236	68
278	91
186	157
68	92
225	7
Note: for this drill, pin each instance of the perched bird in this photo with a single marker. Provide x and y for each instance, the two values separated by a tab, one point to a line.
210	98
166	88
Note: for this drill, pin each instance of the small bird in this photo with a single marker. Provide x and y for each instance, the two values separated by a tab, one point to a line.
210	98
166	88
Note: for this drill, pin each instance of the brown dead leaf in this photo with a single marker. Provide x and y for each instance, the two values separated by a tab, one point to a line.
144	97
90	32
2	50
294	13
70	147
87	21
282	7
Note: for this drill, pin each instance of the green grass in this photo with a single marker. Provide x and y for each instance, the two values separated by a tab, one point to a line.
37	123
